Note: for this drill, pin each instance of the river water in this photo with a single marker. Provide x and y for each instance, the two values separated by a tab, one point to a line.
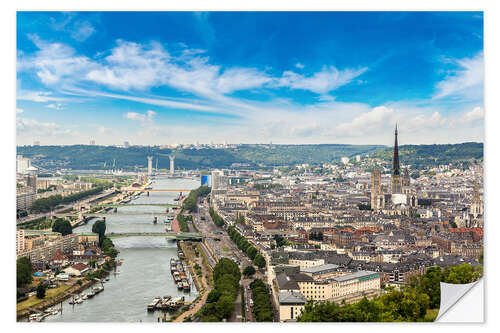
145	272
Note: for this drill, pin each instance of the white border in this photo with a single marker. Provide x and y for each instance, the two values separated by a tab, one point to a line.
492	59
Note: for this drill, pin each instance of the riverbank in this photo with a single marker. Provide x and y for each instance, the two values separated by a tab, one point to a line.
57	299
202	285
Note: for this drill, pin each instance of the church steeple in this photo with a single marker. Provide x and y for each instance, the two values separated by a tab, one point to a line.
395	159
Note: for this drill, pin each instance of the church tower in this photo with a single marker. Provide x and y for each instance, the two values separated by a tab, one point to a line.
377	197
396	179
476	205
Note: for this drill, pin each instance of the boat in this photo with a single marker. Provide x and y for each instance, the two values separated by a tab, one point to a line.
91	294
186	286
78	300
179	285
84	296
154	303
98	289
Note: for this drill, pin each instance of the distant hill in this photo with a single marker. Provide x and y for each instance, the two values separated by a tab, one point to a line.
419	156
94	157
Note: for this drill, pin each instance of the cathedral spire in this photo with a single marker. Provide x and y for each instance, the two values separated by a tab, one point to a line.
395	159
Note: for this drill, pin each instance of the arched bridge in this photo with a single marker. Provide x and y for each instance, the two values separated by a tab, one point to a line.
168	235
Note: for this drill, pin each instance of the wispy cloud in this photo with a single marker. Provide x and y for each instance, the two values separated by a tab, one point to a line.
464	81
55	106
328	79
27	127
82	30
38	96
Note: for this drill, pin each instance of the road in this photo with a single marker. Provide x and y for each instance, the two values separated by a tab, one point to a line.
219	245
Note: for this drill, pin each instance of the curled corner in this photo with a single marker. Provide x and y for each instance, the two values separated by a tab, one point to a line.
451	294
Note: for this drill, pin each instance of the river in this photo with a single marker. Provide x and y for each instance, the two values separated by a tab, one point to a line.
145	272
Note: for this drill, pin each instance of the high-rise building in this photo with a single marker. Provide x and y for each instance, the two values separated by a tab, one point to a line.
219	181
92	142
22	164
19	241
172	166
396	179
36	143
150	165
126	144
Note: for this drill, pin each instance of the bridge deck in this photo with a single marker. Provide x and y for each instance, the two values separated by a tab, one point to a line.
128	189
170	235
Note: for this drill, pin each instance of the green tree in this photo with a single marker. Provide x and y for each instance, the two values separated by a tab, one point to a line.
63	226
259	261
99	227
213	296
224	306
249	271
40	290
24	272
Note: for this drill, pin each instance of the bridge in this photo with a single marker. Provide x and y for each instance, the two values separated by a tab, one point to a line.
136	205
169	235
132	189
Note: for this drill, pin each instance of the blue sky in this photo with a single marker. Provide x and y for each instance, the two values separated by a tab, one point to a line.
249	77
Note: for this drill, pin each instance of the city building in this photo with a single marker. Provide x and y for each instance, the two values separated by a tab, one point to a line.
22	164
19	241
25	198
291	305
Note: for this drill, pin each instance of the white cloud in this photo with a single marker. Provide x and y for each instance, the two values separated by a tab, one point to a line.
54	62
473	116
141	117
378	119
26	127
82	30
299	65
55	106
135	116
328	79
38	96
241	79
465	81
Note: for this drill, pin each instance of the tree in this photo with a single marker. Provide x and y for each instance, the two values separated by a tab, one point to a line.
99	227
249	271
259	261
224	306
213	296
24	272
63	226
40	290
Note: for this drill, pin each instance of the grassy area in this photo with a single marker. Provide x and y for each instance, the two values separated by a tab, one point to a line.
33	300
225	249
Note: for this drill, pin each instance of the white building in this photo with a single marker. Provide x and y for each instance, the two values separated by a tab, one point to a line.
22	164
345	160
291	305
19	241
